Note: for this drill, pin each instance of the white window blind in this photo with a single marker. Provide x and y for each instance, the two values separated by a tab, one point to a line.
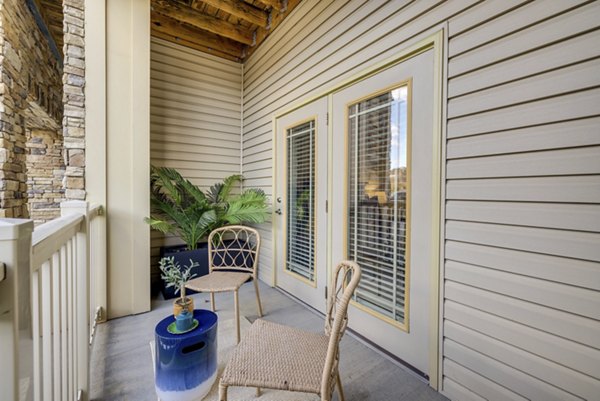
300	145
377	201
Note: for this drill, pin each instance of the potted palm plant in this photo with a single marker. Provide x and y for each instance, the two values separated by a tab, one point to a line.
181	208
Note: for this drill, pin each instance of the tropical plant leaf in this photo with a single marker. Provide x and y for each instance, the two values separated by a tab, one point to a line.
212	195
160	225
164	181
194	193
180	207
249	207
228	184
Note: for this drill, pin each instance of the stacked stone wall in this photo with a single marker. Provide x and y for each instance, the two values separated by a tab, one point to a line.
45	172
30	99
74	100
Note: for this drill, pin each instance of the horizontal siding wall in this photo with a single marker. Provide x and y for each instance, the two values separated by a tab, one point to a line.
195	114
320	44
522	235
522	290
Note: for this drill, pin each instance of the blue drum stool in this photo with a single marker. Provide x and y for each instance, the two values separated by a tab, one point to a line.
186	364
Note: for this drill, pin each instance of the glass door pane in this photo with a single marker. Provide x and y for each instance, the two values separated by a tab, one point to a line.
378	197
300	146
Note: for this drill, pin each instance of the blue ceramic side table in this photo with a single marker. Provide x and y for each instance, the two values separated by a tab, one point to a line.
186	364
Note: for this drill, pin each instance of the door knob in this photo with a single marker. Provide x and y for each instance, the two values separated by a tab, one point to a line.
278	211
279	199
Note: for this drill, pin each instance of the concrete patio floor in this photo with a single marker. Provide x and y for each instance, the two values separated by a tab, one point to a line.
121	366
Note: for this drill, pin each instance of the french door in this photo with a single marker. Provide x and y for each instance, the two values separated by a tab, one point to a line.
381	204
301	144
380	190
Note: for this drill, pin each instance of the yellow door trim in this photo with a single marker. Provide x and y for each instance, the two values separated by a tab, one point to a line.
437	42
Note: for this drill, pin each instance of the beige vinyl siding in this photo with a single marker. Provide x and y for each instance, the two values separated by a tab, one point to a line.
521	279
195	112
522	204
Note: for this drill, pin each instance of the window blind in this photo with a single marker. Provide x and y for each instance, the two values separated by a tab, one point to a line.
300	200
377	201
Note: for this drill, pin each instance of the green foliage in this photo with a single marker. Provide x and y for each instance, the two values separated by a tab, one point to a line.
174	276
302	204
218	194
179	207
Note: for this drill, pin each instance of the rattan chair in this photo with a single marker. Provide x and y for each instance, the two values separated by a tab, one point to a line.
279	357
232	261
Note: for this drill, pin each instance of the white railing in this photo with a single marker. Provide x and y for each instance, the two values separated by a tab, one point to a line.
52	296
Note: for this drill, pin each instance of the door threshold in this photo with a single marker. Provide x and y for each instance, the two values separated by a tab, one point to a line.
366	342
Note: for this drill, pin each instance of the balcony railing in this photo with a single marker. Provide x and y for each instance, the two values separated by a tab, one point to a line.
52	294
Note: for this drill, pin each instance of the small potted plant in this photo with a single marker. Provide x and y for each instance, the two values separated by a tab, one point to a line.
175	276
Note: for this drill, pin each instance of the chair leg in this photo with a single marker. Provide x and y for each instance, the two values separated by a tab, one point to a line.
237	315
222	392
212	301
339	386
258	392
260	312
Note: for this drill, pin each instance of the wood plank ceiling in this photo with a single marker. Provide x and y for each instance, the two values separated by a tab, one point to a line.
230	29
52	14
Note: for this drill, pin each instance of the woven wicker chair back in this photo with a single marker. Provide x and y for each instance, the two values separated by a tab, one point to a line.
234	248
345	280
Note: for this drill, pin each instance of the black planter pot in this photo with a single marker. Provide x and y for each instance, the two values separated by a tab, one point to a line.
182	256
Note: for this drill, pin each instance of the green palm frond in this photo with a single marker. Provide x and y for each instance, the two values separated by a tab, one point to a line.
213	192
249	207
194	193
219	193
160	225
240	213
228	184
163	180
180	207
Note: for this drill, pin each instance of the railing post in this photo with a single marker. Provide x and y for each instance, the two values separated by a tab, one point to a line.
98	256
82	302
15	309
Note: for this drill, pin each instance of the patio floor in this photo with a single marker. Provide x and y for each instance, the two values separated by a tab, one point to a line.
122	365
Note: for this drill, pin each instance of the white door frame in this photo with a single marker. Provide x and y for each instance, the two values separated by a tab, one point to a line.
290	281
436	41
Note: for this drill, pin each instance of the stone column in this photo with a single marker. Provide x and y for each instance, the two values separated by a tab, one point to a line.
74	99
13	187
29	98
45	172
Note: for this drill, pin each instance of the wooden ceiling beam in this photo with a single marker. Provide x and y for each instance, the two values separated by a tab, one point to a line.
53	18
276	4
193	17
54	4
164	25
261	34
241	10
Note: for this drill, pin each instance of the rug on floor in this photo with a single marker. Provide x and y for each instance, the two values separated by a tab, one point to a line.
226	343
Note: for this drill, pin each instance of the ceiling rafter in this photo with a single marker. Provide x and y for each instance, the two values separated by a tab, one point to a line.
171	29
239	9
205	22
52	14
277	18
276	4
232	29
